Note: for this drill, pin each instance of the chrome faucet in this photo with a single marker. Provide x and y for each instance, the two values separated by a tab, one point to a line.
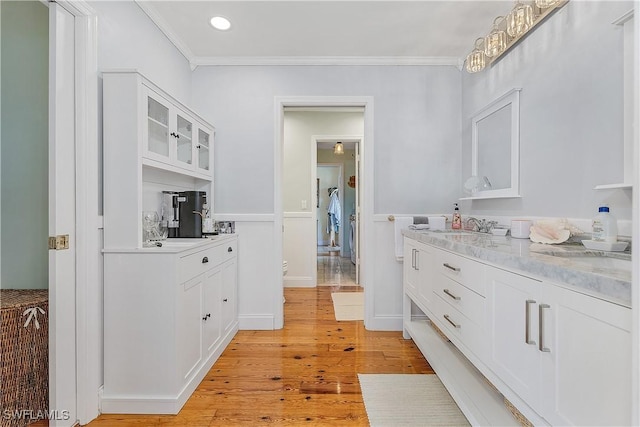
480	225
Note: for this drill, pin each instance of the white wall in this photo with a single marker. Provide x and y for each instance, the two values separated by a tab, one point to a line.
571	104
25	145
416	138
128	39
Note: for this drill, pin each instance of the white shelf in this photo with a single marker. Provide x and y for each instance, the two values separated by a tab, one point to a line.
477	400
489	197
613	186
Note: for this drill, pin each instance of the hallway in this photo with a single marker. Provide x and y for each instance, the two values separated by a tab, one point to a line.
304	373
334	270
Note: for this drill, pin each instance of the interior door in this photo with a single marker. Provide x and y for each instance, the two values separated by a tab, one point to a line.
62	277
357	234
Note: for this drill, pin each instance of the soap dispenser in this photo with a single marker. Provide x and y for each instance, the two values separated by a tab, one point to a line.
456	221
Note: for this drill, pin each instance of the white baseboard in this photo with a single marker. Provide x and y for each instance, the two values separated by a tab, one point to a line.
256	322
298	282
385	323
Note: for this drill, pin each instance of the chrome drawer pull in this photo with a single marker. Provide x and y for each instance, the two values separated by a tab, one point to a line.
542	347
446	317
205	260
446	291
450	267
527	327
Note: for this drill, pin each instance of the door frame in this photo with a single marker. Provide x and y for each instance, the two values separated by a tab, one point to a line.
367	194
314	214
88	276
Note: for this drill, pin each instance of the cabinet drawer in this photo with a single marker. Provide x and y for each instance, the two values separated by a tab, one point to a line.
455	324
191	265
463	270
461	298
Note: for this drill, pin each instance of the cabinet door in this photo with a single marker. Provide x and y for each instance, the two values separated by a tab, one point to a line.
512	307
411	274
184	136
204	150
587	360
426	265
189	327
229	294
211	312
157	129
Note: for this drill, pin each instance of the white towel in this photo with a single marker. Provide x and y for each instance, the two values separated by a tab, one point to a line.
419	227
400	223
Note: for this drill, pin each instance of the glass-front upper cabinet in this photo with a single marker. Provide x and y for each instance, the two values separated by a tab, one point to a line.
203	150
184	141
157	128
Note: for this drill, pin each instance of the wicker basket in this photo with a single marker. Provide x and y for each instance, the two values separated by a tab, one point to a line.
24	356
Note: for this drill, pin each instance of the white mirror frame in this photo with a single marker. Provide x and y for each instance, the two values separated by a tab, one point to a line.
512	97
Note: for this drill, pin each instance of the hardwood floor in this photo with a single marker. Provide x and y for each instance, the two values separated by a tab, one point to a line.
305	373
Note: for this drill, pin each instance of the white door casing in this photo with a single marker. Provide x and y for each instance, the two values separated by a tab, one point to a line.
62	218
366	217
356	241
75	348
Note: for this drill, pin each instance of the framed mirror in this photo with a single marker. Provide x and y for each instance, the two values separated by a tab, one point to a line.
495	148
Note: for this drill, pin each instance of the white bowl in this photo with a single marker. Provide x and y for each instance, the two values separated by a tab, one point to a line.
605	246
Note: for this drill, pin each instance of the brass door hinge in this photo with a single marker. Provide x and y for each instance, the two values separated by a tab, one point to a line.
59	242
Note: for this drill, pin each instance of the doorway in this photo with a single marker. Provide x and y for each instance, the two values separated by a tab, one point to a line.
284	224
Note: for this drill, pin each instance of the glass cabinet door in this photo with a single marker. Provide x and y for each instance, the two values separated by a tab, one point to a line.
184	141
203	149
158	127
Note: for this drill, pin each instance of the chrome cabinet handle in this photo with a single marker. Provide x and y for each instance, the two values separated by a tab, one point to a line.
448	319
451	267
542	347
527	326
417	260
448	292
413	258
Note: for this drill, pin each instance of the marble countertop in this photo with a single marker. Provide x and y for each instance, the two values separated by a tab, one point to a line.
606	275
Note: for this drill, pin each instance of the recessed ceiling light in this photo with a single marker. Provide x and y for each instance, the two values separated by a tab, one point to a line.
220	23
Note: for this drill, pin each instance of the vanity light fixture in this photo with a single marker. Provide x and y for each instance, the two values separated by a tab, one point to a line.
220	23
519	20
496	41
507	31
338	148
476	60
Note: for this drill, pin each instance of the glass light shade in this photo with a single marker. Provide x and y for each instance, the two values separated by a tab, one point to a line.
519	20
476	60
544	4
496	42
338	148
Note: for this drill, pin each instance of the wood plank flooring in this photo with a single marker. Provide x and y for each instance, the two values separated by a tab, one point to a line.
305	373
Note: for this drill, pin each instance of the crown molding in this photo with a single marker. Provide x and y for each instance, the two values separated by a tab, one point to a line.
327	60
163	26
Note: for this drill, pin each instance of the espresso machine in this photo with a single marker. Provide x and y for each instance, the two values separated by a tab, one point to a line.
183	210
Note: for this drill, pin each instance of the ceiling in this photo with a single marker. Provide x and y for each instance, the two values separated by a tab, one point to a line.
326	32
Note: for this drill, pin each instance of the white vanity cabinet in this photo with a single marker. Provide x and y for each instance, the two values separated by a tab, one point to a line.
419	271
561	357
585	366
167	318
513	327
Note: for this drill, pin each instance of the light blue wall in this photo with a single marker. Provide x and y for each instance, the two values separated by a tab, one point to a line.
571	104
24	139
416	129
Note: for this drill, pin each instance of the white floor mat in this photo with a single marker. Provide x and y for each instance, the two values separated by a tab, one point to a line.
348	305
408	400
